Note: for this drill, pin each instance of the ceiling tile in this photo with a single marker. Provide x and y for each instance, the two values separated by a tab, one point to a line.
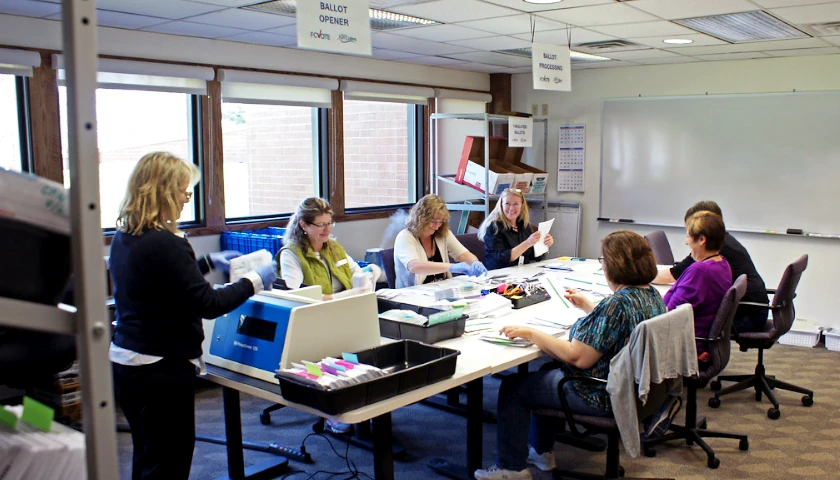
386	54
263	38
662	61
126	20
826	12
561	37
753	47
599	15
413	45
698	39
289	30
535	7
244	19
643	29
29	9
512	24
491	58
673	9
227	3
172	9
451	11
440	33
435	61
611	63
479	67
195	30
788	3
732	56
803	52
641	54
835	39
493	43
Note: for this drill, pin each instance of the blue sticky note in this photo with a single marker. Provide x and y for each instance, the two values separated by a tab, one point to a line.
350	357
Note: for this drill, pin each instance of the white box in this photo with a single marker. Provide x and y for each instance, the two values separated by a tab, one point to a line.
832	339
803	333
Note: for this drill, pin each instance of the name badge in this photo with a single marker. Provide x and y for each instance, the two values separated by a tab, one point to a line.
341	262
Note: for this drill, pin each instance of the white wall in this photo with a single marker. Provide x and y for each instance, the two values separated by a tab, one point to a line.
46	34
771	253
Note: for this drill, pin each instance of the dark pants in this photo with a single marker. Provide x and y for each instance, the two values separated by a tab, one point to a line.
158	401
750	319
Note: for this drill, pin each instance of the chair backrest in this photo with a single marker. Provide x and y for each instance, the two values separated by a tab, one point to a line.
661	248
472	243
721	330
782	305
388	263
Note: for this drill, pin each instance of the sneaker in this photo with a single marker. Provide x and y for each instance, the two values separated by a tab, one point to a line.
338	427
543	461
661	419
496	473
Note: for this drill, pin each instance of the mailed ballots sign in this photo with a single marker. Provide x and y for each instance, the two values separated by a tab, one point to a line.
342	26
520	132
551	67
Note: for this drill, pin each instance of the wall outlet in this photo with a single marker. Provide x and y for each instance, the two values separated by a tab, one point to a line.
535	109
545	109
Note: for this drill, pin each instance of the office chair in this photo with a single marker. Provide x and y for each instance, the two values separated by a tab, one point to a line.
472	243
719	346
583	426
783	314
661	248
388	263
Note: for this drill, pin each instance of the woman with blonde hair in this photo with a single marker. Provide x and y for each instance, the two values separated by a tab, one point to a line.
311	256
423	248
161	296
506	232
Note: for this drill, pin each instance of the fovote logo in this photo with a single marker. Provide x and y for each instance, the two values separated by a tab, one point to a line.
320	35
545	79
344	38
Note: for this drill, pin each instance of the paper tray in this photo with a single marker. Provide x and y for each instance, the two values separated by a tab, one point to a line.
432	334
413	365
532	299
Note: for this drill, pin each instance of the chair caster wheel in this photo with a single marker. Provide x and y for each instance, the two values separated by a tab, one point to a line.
265	418
774	413
650	452
318	427
744	444
713	462
715	385
714	402
620	471
807	400
703	425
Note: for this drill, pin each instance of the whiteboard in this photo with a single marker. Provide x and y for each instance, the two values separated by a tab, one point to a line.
771	161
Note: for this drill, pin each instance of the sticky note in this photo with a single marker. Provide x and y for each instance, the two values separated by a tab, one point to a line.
564	258
37	414
8	418
313	369
350	357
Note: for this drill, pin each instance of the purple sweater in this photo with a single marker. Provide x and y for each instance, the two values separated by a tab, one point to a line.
703	285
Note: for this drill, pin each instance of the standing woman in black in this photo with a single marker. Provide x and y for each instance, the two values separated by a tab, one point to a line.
506	232
161	296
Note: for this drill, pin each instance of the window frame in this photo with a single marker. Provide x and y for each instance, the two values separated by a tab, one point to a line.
24	123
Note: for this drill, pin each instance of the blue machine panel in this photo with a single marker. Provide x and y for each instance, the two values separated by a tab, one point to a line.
254	333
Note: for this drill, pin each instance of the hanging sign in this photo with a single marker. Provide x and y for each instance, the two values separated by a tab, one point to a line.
551	67
340	26
520	132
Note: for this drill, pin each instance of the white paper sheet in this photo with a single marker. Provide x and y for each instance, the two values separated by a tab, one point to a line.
239	266
544	227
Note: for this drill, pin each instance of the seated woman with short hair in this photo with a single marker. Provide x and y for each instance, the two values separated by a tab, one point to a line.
506	232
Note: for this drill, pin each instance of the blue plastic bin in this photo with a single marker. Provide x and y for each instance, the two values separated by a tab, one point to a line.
248	241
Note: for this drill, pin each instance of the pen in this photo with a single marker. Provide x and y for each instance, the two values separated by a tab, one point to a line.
550	267
581	281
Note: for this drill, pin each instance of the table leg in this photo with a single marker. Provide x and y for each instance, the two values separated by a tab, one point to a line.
383	457
475	434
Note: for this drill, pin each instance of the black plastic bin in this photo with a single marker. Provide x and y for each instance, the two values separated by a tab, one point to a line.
410	365
35	263
408	331
528	300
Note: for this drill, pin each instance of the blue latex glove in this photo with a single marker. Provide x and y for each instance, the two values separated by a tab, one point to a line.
221	260
477	268
268	274
463	268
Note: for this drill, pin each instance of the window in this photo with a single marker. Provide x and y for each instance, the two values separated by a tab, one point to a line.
130	124
11	155
271	158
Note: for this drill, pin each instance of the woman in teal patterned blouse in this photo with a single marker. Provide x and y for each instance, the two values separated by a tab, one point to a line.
629	267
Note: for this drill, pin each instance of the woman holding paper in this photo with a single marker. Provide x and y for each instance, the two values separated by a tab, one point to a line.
507	235
423	248
161	296
310	256
594	340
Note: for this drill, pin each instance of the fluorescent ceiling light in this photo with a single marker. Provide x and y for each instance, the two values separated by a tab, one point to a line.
743	27
576	57
678	41
379	19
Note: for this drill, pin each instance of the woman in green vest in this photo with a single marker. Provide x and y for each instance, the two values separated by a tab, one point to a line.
310	256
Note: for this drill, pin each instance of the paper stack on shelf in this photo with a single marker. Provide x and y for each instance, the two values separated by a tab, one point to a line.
27	453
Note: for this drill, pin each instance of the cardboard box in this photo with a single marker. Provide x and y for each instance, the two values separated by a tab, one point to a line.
539	178
471	169
522	177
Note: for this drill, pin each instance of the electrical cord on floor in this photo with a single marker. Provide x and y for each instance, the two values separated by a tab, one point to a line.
352	470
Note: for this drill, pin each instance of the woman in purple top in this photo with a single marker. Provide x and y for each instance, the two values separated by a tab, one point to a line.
706	281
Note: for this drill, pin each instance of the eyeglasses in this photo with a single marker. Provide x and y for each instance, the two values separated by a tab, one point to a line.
322	226
601	259
437	222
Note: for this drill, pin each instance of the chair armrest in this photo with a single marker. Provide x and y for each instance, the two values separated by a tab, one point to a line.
708	340
756	304
567	412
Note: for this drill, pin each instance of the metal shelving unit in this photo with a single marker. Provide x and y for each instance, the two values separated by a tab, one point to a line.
89	321
449	179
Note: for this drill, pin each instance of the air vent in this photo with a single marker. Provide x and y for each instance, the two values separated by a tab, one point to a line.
830	28
610	45
379	19
577	57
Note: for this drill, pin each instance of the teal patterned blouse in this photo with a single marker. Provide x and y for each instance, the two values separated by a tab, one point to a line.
607	329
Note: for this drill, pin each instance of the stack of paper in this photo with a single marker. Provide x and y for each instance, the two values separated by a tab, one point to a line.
28	453
503	340
239	266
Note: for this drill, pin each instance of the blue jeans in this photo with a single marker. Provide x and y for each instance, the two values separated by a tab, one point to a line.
519	394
